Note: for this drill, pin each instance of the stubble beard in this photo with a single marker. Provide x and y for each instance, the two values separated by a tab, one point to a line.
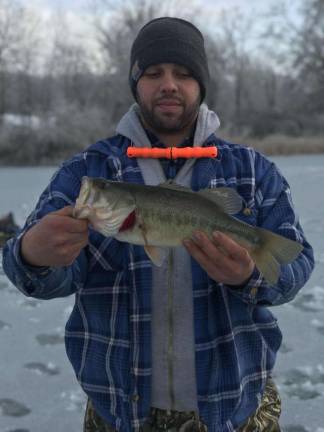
169	123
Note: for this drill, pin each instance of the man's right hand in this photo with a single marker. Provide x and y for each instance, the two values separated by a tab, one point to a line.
56	240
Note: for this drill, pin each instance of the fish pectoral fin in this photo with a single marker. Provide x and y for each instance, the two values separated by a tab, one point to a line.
226	198
267	265
156	254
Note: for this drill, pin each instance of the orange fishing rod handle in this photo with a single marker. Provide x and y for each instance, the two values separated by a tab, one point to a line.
193	152
172	152
146	152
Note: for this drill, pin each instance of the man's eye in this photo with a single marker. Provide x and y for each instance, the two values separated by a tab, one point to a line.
184	75
152	74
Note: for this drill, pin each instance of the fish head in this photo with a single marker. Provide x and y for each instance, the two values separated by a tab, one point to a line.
106	204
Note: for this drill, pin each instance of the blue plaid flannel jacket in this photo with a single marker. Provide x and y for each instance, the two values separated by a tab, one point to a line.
108	332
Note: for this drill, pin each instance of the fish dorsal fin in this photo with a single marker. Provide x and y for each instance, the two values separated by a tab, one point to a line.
175	186
226	198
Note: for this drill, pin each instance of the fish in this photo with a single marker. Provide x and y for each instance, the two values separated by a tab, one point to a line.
160	217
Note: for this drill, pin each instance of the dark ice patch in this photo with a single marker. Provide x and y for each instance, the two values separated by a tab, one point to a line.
3	285
296	376
42	368
31	304
4	325
320	330
50	339
18	430
294	428
304	384
300	376
303	393
12	408
305	302
312	301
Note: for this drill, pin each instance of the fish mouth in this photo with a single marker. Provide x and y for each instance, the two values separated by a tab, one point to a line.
82	206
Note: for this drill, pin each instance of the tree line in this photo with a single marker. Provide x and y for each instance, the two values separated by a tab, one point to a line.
59	95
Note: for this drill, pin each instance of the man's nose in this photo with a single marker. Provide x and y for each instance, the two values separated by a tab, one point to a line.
168	84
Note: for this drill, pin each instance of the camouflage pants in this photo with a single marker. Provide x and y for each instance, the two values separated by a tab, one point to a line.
265	419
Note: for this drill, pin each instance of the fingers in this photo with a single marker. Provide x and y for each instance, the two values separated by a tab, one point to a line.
229	246
222	258
64	211
56	240
221	246
202	247
63	220
211	259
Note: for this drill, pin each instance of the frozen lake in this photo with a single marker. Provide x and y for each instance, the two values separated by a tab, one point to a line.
38	390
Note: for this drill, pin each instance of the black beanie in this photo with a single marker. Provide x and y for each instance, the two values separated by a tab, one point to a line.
169	40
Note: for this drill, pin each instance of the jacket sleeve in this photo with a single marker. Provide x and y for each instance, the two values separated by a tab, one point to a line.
47	282
276	213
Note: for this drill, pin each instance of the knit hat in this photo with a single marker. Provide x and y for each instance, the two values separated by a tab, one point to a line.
169	40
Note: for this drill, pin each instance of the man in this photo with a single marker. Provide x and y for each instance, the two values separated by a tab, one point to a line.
191	345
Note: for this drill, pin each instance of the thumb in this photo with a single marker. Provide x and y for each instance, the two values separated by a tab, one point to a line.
65	211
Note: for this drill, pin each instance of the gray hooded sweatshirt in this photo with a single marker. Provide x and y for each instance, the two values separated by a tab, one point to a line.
173	340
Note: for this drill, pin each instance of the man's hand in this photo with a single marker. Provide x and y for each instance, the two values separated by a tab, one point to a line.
56	240
222	258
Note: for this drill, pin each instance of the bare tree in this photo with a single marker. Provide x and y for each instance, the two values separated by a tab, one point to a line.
67	66
10	17
297	47
18	51
309	53
218	85
235	33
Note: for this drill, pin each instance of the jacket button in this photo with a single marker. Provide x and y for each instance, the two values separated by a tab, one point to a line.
247	211
135	398
254	291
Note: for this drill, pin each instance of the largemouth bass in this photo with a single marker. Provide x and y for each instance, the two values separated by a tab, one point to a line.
163	216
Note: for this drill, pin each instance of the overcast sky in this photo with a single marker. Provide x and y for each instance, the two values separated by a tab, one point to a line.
210	7
76	5
81	29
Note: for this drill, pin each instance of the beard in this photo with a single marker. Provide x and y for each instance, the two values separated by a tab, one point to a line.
169	121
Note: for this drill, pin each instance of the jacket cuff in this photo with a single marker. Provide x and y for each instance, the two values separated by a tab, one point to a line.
33	272
28	279
249	291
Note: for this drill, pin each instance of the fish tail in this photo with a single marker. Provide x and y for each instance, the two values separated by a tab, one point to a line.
273	251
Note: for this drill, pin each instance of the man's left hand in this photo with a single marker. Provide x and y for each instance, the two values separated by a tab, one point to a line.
222	258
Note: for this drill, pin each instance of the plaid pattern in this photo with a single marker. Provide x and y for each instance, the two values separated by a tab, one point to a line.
108	332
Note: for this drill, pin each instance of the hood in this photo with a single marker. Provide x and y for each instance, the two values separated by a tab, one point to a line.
131	127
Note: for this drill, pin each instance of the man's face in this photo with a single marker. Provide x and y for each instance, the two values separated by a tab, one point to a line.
169	97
